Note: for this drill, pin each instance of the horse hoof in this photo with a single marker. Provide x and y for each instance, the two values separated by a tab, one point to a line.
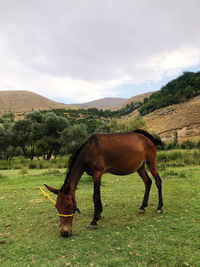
141	211
92	226
158	211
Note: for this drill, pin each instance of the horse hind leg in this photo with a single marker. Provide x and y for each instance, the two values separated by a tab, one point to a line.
153	169
147	182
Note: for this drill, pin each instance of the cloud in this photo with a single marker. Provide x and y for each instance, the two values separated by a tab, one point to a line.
82	50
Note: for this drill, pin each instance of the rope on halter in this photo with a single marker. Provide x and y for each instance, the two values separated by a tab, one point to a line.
47	196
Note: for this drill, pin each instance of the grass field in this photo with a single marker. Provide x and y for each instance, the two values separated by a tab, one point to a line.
29	226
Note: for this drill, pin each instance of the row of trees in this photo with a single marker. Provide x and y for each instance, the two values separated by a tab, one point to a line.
39	134
75	114
177	91
46	133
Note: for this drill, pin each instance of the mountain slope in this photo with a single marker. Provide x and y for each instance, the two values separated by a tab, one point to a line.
103	103
177	91
24	101
139	98
181	118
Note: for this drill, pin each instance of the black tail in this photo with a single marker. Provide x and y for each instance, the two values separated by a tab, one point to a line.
155	141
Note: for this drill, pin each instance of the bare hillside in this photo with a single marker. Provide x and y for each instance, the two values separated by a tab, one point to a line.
24	101
139	98
104	103
181	118
113	102
134	99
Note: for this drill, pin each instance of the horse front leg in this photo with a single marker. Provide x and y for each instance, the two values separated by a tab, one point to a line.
97	201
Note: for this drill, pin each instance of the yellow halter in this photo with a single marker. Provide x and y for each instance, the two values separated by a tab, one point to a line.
47	196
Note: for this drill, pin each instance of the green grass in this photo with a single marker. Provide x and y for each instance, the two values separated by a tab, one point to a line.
178	157
38	163
29	226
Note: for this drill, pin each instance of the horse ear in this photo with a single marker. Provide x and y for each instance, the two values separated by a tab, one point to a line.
51	189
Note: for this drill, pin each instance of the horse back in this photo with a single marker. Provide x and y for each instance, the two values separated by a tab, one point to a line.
118	153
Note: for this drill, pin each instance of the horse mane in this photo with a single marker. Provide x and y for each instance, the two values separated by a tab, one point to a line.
155	141
72	160
74	157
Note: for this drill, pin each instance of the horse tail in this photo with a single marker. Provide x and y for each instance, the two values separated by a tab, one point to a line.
155	141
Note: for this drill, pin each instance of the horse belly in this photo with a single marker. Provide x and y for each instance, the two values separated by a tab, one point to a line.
124	164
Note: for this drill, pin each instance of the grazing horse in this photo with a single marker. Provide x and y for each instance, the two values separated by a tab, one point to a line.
116	153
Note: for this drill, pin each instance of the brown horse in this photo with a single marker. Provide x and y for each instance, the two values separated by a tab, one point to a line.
116	153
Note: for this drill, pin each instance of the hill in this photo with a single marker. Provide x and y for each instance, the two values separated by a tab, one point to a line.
134	99
113	102
181	118
103	103
24	101
176	91
139	98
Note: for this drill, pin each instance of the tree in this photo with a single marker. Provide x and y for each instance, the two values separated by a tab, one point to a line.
2	138
73	137
188	91
188	144
176	91
37	120
198	144
35	116
133	123
52	128
7	150
128	125
20	137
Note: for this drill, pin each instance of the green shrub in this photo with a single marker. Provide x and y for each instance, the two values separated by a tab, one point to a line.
188	144
178	158
23	171
32	165
2	176
198	144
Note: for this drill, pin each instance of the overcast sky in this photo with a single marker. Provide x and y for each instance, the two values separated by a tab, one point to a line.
74	51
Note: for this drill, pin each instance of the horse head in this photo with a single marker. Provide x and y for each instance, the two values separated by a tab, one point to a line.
66	207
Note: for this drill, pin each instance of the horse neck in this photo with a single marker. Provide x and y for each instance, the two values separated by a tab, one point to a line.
75	175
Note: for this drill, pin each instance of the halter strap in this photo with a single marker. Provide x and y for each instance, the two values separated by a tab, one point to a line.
65	215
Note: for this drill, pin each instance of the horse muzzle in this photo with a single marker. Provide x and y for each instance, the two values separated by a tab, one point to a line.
65	231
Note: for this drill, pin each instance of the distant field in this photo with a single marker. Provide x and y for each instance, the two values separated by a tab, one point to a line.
29	226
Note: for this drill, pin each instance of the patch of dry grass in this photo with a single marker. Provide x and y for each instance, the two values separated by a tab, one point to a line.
181	118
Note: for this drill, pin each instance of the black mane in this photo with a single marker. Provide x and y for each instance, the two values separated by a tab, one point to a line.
155	141
72	160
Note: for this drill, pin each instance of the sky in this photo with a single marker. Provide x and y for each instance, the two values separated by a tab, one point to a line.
75	51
